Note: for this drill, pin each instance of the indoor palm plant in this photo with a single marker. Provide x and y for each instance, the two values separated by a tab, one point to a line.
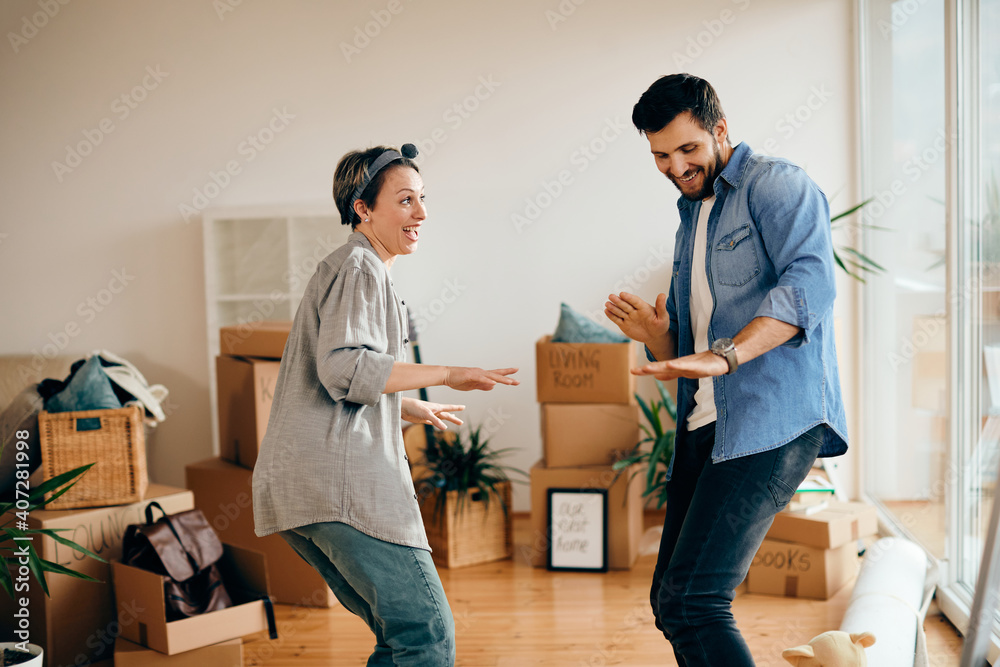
465	498
657	456
19	552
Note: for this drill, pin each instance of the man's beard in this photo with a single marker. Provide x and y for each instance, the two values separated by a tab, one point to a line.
708	187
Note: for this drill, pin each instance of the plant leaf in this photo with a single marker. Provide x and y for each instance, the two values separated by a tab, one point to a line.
58	485
34	562
645	410
668	401
840	263
5	579
851	210
864	258
70	543
49	566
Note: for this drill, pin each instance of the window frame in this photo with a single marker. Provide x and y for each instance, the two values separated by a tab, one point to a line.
964	344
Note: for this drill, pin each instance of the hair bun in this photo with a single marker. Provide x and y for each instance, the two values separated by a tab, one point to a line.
409	151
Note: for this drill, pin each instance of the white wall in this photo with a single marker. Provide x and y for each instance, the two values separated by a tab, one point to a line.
556	87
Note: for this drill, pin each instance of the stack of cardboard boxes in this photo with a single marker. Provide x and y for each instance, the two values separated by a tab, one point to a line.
75	624
589	418
247	371
812	553
221	488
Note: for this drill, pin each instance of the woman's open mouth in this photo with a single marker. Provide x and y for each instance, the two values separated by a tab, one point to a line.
411	232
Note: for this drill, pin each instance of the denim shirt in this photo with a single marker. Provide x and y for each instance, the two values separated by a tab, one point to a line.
769	253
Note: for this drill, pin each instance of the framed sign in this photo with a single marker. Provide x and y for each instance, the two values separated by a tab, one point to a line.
578	529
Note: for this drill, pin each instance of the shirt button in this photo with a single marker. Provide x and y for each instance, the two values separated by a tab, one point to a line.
405	457
415	497
405	341
403	302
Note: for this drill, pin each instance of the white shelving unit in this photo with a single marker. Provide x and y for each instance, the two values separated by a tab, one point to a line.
258	260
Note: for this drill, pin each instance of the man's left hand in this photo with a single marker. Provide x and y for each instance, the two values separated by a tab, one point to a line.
693	366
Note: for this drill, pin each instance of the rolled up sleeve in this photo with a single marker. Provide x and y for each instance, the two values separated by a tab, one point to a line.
793	217
351	355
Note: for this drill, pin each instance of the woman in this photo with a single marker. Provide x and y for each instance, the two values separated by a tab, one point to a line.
332	476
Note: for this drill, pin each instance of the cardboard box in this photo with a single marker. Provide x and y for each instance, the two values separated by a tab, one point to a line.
223	492
583	434
223	654
76	624
245	393
585	372
838	524
625	507
261	339
143	616
796	570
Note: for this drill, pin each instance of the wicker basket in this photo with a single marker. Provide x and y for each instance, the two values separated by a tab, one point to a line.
473	536
113	439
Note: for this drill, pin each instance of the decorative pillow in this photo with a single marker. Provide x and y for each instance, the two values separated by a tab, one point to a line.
20	415
575	328
89	389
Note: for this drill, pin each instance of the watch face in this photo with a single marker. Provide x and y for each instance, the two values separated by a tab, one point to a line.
721	345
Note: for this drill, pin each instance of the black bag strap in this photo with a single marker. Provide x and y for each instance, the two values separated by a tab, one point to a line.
272	626
149	512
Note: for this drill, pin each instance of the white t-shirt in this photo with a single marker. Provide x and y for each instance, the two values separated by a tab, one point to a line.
704	412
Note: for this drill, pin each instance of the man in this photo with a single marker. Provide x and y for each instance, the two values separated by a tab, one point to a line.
747	329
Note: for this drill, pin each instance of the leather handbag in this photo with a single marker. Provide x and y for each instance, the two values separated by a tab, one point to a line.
184	549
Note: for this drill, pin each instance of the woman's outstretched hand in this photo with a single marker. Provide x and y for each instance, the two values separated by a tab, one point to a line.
424	412
468	379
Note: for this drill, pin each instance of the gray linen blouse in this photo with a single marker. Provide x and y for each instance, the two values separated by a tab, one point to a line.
333	450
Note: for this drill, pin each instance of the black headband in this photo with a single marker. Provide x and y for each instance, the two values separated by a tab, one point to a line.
408	151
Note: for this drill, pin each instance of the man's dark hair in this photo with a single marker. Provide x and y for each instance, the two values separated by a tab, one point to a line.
672	95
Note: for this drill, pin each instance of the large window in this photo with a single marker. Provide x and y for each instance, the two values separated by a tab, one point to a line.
906	405
931	155
977	271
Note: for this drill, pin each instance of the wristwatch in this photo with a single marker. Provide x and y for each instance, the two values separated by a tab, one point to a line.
724	347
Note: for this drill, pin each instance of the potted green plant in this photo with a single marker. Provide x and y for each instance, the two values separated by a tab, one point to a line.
657	457
21	556
465	498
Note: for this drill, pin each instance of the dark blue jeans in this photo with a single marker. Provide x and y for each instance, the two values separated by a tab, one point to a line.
717	517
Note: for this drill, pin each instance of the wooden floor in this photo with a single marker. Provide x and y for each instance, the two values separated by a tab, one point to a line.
508	614
925	520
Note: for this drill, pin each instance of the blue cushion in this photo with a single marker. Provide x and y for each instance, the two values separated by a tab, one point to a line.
89	389
575	328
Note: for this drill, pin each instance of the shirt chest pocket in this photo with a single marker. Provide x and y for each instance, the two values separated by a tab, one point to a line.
734	259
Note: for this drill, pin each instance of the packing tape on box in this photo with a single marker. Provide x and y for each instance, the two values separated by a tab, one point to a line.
890	600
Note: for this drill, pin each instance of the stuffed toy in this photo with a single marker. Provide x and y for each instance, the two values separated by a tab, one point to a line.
832	649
